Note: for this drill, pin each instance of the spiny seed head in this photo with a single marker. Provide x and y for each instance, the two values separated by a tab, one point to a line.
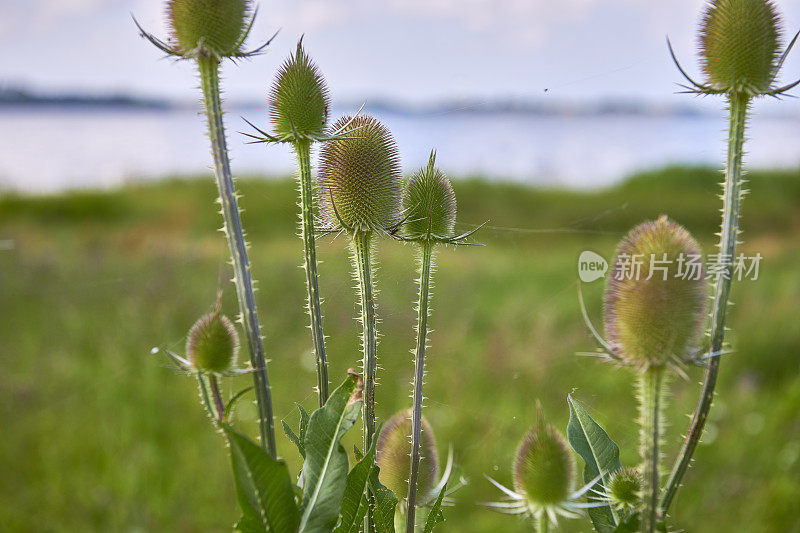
624	487
739	45
650	321
394	457
213	343
544	470
299	100
214	27
430	204
359	176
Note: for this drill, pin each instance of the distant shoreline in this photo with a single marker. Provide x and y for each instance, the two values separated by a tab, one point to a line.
14	98
22	98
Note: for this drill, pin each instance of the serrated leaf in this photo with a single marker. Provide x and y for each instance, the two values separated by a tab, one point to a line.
385	504
294	438
357	480
599	452
304	417
357	453
435	516
263	487
324	476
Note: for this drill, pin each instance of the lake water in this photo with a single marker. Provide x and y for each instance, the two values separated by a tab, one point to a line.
45	150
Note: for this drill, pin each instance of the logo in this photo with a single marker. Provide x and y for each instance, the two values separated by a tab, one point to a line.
591	266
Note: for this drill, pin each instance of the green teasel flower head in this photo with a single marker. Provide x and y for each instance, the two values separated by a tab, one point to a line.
655	305
393	451
430	205
624	488
544	469
544	478
359	177
740	45
740	49
299	100
215	27
207	28
212	344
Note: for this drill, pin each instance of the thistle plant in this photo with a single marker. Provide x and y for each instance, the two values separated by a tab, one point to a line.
544	480
360	194
654	324
208	31
740	50
211	348
430	211
212	345
393	450
298	106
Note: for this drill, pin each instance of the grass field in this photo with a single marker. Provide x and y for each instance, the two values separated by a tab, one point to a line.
97	434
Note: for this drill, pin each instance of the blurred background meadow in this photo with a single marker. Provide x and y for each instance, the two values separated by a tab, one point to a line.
558	123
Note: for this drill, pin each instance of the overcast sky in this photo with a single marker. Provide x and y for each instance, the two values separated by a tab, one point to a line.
407	50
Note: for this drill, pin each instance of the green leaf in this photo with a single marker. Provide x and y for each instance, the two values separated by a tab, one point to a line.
263	487
304	417
324	476
385	504
599	452
357	453
249	524
357	480
294	438
232	402
629	524
435	516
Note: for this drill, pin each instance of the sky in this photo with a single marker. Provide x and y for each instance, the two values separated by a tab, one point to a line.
411	51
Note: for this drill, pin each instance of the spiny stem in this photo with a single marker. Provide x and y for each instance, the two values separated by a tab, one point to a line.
362	242
419	376
732	199
303	151
217	395
650	398
204	395
209	80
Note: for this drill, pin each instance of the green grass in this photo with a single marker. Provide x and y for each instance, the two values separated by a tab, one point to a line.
100	435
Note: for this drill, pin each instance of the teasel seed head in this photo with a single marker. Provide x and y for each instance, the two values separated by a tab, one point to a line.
624	488
212	27
544	469
740	45
299	100
659	320
430	204
393	457
212	344
359	177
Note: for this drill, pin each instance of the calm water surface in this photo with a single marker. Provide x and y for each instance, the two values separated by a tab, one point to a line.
45	150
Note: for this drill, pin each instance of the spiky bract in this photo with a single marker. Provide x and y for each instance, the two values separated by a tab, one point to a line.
212	343
544	470
212	27
430	205
655	301
359	177
624	487
393	451
299	100
739	45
